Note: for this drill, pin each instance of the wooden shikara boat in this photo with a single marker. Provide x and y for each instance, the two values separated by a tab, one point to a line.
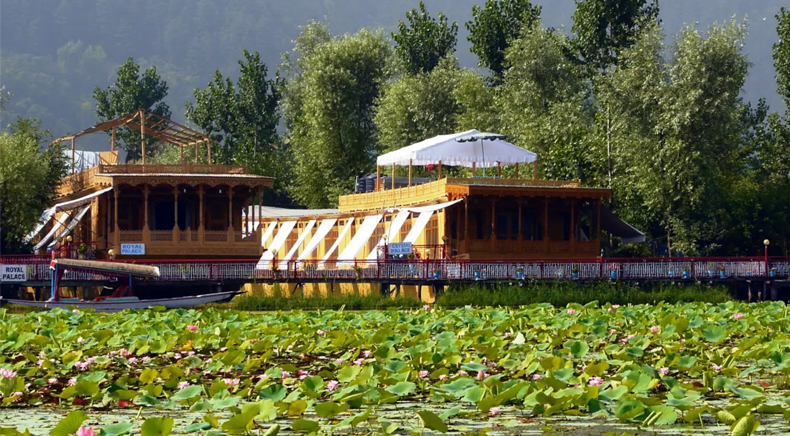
123	297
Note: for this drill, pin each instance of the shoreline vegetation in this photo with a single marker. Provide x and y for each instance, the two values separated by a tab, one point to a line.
558	294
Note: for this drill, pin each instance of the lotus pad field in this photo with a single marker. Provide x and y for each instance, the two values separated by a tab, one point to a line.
685	368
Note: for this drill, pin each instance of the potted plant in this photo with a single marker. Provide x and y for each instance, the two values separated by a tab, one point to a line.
613	271
436	273
520	273
82	250
686	272
184	268
772	272
575	271
670	272
276	271
477	275
559	273
358	272
722	271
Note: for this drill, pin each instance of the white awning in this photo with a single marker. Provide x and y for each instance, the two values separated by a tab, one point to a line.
73	204
299	241
277	242
340	237
361	237
57	225
47	215
323	229
394	229
70	226
268	232
475	148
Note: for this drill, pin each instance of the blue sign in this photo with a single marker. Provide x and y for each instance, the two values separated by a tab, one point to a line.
399	248
133	249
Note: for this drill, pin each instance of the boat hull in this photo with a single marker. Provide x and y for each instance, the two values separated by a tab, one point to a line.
117	306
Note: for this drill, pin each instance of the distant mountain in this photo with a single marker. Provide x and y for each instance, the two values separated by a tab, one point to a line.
54	52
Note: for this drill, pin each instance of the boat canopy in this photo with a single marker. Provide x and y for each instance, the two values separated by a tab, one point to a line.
614	225
484	150
109	267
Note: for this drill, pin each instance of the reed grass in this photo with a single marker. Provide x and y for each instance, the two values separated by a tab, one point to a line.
563	293
351	301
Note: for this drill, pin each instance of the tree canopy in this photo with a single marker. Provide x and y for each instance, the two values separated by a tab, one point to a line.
423	42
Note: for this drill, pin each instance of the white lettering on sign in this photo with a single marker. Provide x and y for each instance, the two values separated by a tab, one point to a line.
13	273
400	248
133	249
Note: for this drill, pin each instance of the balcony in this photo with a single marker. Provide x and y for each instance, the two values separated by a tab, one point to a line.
200	243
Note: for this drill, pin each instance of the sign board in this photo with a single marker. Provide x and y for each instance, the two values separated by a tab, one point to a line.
399	248
13	273
133	249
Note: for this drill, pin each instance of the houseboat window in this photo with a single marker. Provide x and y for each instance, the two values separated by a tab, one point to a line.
501	226
479	227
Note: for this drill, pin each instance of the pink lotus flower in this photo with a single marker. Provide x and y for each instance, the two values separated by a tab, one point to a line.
7	373
571	311
426	307
52	380
132	360
183	384
191	353
84	431
223	349
72	381
192	327
339	361
301	373
507	334
320	333
76	311
80	340
654	329
494	411
615	306
367	354
612	332
536	377
481	375
332	385
302	377
290	348
737	316
359	362
18	394
462	373
286	374
595	381
717	367
231	381
443	377
423	374
663	371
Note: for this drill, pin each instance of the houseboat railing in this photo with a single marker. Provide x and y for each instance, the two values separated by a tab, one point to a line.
702	268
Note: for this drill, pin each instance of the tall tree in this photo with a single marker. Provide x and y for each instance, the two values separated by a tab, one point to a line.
329	99
29	175
781	55
129	93
243	119
495	26
419	106
603	28
423	42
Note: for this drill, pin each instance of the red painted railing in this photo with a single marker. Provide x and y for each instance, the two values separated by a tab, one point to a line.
442	269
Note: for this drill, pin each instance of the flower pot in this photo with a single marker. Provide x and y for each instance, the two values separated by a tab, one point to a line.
772	274
613	275
477	275
686	274
722	274
670	273
575	275
485	276
710	273
559	275
520	275
436	276
748	273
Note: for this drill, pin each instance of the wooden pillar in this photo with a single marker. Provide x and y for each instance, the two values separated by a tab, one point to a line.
142	135
73	157
499	169
208	151
145	208
520	236
546	225
245	225
474	169
115	218
378	178
573	226
230	207
517	171
176	237
197	152
182	155
201	229
493	224
535	170
440	171
409	172
393	176
598	224
466	222
112	144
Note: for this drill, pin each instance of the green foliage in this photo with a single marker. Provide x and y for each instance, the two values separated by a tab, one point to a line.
242	118
130	92
495	26
29	174
604	28
328	108
781	54
423	42
278	301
